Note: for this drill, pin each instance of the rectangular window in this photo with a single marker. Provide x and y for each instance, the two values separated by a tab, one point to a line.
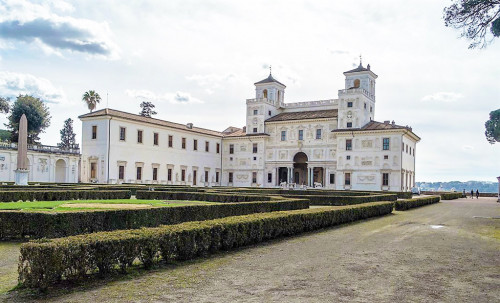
183	143
122	133
371	109
93	170
386	144
121	172
255	112
403	147
349	124
318	134
254	177
230	177
406	148
195	177
169	174
155	173
283	135
207	146
349	104
348	144
94	131
386	157
348	157
183	175
347	179
301	134
269	112
269	178
255	148
217	177
231	148
332	178
365	105
255	130
170	141
217	147
206	176
385	179
139	136
195	144
139	173
155	138
410	150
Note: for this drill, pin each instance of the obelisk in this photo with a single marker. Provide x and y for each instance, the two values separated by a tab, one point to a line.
22	152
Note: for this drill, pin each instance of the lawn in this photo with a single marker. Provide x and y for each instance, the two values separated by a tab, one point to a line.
73	205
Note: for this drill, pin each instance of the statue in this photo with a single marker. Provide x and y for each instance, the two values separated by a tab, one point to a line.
22	153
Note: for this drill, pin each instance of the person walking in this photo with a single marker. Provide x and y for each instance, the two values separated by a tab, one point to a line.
477	193
472	194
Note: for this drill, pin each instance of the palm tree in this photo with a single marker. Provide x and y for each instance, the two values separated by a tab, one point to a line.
91	98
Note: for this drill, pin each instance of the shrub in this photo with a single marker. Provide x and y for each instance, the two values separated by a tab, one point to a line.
57	195
18	225
43	263
450	196
197	196
343	200
412	203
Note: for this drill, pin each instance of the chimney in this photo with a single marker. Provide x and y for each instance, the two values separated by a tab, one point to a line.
244	129
387	122
189	125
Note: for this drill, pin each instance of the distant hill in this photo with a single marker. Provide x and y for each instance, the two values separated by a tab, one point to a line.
482	186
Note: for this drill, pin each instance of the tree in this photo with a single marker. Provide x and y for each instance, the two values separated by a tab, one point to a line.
476	18
37	114
67	135
4	105
91	98
493	127
147	109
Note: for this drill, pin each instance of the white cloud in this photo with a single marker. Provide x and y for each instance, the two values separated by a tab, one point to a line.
174	98
467	147
443	97
212	82
12	84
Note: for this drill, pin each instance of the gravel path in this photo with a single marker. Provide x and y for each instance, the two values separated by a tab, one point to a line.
446	252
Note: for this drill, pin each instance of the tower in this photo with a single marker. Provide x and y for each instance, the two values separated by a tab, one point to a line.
357	100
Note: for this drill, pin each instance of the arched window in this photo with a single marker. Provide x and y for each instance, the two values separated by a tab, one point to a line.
356	83
264	92
279	96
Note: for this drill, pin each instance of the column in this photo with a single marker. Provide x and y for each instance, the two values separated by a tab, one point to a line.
276	176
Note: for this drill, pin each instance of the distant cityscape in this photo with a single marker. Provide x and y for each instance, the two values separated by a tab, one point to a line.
482	186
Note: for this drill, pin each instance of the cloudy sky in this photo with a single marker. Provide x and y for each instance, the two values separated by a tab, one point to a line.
197	62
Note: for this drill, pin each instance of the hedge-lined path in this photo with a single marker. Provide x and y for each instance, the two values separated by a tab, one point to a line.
404	257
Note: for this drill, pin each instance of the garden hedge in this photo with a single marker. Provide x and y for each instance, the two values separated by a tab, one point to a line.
417	202
343	200
197	196
28	224
450	196
46	262
56	195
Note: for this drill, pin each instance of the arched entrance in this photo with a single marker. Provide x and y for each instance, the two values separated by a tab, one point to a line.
60	171
300	168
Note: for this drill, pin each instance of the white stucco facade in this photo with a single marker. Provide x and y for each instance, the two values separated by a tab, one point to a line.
332	143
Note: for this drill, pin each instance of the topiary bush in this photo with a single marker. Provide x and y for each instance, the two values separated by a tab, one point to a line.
417	202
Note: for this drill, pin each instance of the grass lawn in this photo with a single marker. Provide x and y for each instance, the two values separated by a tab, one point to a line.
64	205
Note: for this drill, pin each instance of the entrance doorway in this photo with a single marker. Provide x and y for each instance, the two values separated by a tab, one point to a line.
283	174
60	171
300	168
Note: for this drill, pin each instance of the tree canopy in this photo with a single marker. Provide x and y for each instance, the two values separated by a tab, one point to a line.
147	109
91	98
37	114
4	105
493	127
67	135
479	20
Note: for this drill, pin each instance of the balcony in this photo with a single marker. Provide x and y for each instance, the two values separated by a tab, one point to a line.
356	91
75	150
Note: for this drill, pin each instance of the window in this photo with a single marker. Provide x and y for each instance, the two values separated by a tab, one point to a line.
155	173
264	92
348	144
195	173
356	83
94	131
269	178
195	144
122	133
371	109
93	170
332	178
254	177
183	143
349	104
385	179
255	148
349	124
406	148
283	135
206	176
255	112
301	134
230	177
217	148
254	158
170	141
410	150
231	149
386	145
365	105
386	157
139	136
139	173
155	138
348	157
403	147
121	172
207	146
183	175
269	112
255	130
169	174
318	133
347	179
217	176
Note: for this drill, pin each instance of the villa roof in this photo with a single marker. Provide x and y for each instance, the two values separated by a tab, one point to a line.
374	126
305	115
139	118
269	79
360	68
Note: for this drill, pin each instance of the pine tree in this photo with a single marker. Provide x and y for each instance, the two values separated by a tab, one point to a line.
147	109
67	135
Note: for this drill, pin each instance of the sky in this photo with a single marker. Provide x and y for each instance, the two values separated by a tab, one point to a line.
197	62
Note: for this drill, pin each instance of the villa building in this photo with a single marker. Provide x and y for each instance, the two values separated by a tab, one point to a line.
333	143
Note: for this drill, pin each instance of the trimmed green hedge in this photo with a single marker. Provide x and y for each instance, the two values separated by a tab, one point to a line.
450	196
412	203
19	225
343	200
197	196
46	262
57	195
